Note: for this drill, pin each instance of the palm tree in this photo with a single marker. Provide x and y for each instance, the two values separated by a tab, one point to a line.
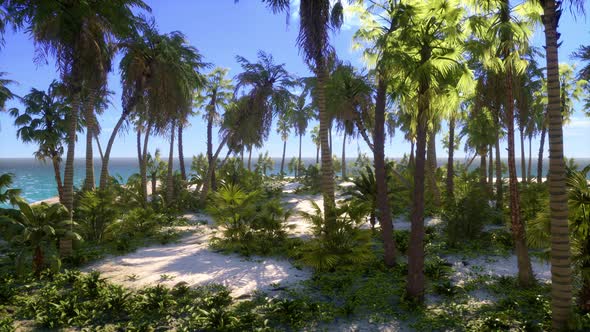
561	273
8	194
315	138
38	227
317	18
266	86
350	102
300	113
155	168
284	129
218	90
424	51
44	122
75	34
5	93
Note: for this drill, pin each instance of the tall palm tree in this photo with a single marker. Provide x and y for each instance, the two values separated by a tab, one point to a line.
217	94
349	95
266	85
44	122
301	112
74	34
561	272
316	19
284	129
422	48
315	138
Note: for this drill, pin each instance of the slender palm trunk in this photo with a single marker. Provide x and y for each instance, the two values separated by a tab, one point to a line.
561	272
416	278
525	273
143	165
181	154
541	150
283	159
317	155
170	174
104	167
499	175
383	208
529	166
327	170
450	163
68	191
431	169
490	167
210	171
299	159
210	143
522	158
250	158
99	147
344	157
89	182
57	173
483	172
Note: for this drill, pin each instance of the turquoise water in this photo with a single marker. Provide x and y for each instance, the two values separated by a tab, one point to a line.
37	181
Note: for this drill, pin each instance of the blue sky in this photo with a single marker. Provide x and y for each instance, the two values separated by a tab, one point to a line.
221	30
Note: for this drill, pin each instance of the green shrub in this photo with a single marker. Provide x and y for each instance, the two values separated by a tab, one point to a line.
466	217
343	244
96	213
252	222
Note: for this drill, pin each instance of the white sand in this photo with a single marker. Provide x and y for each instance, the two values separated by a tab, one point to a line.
191	261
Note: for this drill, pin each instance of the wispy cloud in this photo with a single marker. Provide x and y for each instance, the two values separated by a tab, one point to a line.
579	123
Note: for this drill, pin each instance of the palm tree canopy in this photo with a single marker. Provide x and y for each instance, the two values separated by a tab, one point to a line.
44	120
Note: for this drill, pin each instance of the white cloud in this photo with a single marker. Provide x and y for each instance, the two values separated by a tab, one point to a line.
578	123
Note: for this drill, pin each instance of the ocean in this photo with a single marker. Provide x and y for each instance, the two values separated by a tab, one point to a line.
37	182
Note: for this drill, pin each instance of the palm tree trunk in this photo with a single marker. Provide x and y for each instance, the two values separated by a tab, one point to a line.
416	279
68	190
210	142
522	157
327	169
299	159
210	171
154	183
57	174
250	158
529	166
561	272
181	154
490	168
283	159
104	168
317	155
483	172
169	176
412	159
89	182
450	163
541	150
363	132
344	157
99	147
525	273
499	177
431	169
383	208
143	163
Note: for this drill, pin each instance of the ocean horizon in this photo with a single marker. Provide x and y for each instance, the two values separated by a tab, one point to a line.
37	182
